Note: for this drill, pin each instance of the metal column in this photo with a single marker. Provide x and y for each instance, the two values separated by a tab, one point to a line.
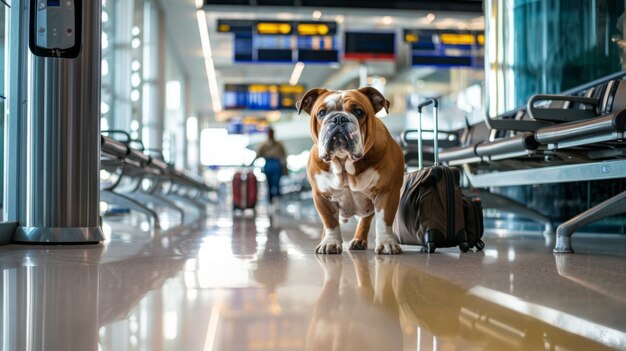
58	146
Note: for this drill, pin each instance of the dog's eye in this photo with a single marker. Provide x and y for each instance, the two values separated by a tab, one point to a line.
358	112
321	113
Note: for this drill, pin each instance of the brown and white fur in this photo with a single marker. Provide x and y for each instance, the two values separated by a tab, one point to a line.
355	167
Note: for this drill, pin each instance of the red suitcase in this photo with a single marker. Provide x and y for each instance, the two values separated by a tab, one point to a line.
245	190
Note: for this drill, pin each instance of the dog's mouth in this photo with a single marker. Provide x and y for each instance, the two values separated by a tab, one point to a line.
342	145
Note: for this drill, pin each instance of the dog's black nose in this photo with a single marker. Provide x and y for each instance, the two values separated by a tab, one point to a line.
339	120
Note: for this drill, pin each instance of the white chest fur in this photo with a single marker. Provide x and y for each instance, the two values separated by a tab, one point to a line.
351	197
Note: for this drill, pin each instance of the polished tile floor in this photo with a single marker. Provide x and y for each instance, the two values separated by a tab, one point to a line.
241	283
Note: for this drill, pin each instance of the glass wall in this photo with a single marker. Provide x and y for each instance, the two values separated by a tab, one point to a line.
143	81
549	46
174	137
3	45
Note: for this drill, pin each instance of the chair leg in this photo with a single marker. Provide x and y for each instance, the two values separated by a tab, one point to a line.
193	202
123	200
611	207
158	200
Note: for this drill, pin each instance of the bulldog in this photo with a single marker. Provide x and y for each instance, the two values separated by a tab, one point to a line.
355	167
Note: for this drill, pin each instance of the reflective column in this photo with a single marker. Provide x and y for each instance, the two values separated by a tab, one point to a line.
58	162
47	304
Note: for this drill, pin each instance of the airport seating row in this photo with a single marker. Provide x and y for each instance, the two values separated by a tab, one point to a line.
574	136
134	178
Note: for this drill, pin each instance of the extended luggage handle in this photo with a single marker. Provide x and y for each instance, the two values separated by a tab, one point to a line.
435	130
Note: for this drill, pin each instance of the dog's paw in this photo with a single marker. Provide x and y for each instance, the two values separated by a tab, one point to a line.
329	246
388	246
356	244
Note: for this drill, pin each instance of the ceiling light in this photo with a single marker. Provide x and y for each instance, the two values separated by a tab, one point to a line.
199	4
297	71
105	40
135	80
430	17
104	67
387	20
208	61
317	14
339	19
135	95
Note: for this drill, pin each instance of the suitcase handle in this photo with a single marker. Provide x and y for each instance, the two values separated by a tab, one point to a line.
426	103
420	149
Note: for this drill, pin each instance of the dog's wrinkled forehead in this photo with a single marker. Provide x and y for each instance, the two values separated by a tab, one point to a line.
334	101
339	100
367	98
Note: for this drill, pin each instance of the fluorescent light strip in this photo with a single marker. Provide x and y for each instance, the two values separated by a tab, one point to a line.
297	71
208	61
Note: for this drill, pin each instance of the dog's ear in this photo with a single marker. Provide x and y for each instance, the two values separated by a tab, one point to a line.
307	101
376	98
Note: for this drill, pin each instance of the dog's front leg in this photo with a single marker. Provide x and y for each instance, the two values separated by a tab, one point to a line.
331	236
359	242
386	206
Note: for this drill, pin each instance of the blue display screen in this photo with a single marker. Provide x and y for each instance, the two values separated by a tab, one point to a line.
54	2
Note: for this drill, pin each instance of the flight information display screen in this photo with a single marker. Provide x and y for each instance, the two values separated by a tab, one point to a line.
265	97
370	45
282	41
448	48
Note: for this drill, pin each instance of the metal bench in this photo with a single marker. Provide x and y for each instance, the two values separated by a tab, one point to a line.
135	179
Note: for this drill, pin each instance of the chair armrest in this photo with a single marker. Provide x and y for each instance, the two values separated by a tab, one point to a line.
561	114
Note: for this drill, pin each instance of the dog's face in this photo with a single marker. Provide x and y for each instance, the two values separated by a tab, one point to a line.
342	122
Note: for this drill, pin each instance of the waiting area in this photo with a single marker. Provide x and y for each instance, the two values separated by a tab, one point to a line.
257	175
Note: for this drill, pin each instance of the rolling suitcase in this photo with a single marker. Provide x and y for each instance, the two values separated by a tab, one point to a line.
474	226
245	190
431	203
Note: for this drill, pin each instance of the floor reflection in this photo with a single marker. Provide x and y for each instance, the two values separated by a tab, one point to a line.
359	314
254	284
48	296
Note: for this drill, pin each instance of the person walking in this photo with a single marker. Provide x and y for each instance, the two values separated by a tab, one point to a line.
275	157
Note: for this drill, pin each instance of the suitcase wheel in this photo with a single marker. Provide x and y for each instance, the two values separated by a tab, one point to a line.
431	247
464	246
480	245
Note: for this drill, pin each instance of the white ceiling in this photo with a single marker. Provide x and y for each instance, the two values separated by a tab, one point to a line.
184	38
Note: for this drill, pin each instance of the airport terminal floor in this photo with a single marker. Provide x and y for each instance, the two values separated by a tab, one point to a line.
182	175
241	282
